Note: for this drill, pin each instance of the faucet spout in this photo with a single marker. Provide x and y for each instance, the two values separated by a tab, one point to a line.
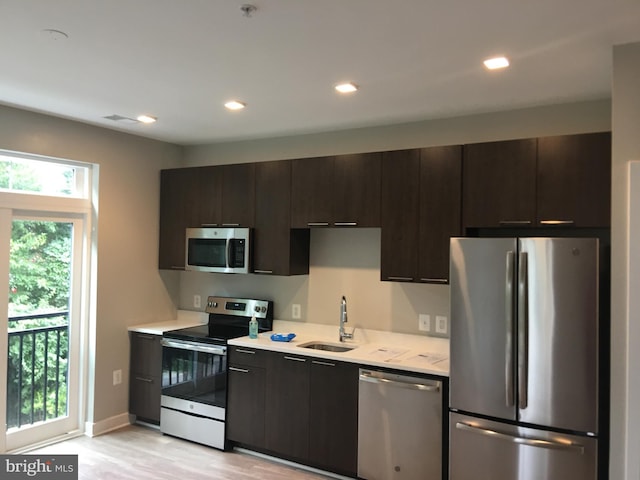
344	335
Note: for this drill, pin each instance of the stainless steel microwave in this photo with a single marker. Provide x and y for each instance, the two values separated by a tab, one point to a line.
222	250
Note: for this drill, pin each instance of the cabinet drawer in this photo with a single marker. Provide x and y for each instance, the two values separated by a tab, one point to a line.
252	357
146	354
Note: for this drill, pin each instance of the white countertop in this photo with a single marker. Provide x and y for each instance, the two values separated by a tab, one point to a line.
186	319
412	353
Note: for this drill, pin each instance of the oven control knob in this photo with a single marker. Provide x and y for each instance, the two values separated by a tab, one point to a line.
257	309
213	304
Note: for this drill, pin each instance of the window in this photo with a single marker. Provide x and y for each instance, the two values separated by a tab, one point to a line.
25	174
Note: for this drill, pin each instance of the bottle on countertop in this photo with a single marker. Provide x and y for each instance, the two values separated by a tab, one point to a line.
253	327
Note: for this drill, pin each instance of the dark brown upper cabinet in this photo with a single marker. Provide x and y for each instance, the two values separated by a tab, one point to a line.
420	212
440	210
400	198
180	207
499	184
277	249
336	191
238	195
550	181
574	180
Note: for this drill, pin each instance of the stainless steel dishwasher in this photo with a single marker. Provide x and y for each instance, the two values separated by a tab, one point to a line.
399	427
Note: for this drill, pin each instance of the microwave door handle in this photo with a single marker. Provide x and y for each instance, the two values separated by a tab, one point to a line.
228	252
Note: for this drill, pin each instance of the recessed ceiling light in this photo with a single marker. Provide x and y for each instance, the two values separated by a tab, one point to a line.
346	87
496	62
146	119
235	105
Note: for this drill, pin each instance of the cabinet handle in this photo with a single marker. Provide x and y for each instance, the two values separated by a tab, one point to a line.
556	222
317	224
515	222
265	272
400	279
230	224
146	336
326	364
240	370
147	380
248	352
345	224
434	280
295	359
208	224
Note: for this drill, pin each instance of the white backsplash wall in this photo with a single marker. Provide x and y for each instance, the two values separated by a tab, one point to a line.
343	261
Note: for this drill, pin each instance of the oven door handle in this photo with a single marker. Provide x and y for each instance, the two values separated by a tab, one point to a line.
193	346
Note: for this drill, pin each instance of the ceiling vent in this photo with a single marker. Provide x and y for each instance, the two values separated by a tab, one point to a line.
121	119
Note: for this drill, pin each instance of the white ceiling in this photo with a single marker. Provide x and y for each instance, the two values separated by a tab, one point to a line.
180	60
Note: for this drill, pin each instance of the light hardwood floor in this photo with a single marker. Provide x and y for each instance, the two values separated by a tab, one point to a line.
138	452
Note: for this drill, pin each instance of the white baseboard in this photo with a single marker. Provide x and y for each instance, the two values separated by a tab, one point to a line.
107	425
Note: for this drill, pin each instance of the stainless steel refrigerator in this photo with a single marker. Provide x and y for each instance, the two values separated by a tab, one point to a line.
524	359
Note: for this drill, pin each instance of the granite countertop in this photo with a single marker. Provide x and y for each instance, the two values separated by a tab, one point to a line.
185	319
411	353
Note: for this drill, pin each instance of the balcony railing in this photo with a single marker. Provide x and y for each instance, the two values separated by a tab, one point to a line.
37	369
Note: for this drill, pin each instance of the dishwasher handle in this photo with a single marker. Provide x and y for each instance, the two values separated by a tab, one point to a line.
410	383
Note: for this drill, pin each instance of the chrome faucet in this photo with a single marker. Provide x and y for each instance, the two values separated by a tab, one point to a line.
344	335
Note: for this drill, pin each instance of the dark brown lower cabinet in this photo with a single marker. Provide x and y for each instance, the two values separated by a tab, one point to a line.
333	422
145	372
246	412
295	407
287	406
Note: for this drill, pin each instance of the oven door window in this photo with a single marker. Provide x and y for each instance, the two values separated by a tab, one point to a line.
207	252
195	376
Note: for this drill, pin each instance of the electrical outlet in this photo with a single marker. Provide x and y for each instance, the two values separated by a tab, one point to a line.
196	301
296	311
117	377
424	322
442	325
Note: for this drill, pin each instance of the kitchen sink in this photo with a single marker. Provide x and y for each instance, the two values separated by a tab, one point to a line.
328	347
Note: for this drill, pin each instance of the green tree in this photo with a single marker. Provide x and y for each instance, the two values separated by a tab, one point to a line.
40	266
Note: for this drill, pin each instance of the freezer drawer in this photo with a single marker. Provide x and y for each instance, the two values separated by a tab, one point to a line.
482	449
399	427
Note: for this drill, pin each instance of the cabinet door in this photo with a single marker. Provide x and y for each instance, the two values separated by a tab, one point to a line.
333	426
287	406
311	192
356	190
499	184
277	249
179	209
145	370
400	203
238	195
574	180
440	210
246	405
208	185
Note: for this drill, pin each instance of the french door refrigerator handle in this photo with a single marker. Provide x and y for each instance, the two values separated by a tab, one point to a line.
529	441
508	358
523	330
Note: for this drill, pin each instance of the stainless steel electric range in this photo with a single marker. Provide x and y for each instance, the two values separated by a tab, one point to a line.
194	369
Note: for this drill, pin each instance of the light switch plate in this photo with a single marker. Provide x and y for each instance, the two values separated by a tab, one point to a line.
442	324
296	311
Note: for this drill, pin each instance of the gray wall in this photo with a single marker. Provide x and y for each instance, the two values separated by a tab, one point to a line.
129	289
625	266
348	261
